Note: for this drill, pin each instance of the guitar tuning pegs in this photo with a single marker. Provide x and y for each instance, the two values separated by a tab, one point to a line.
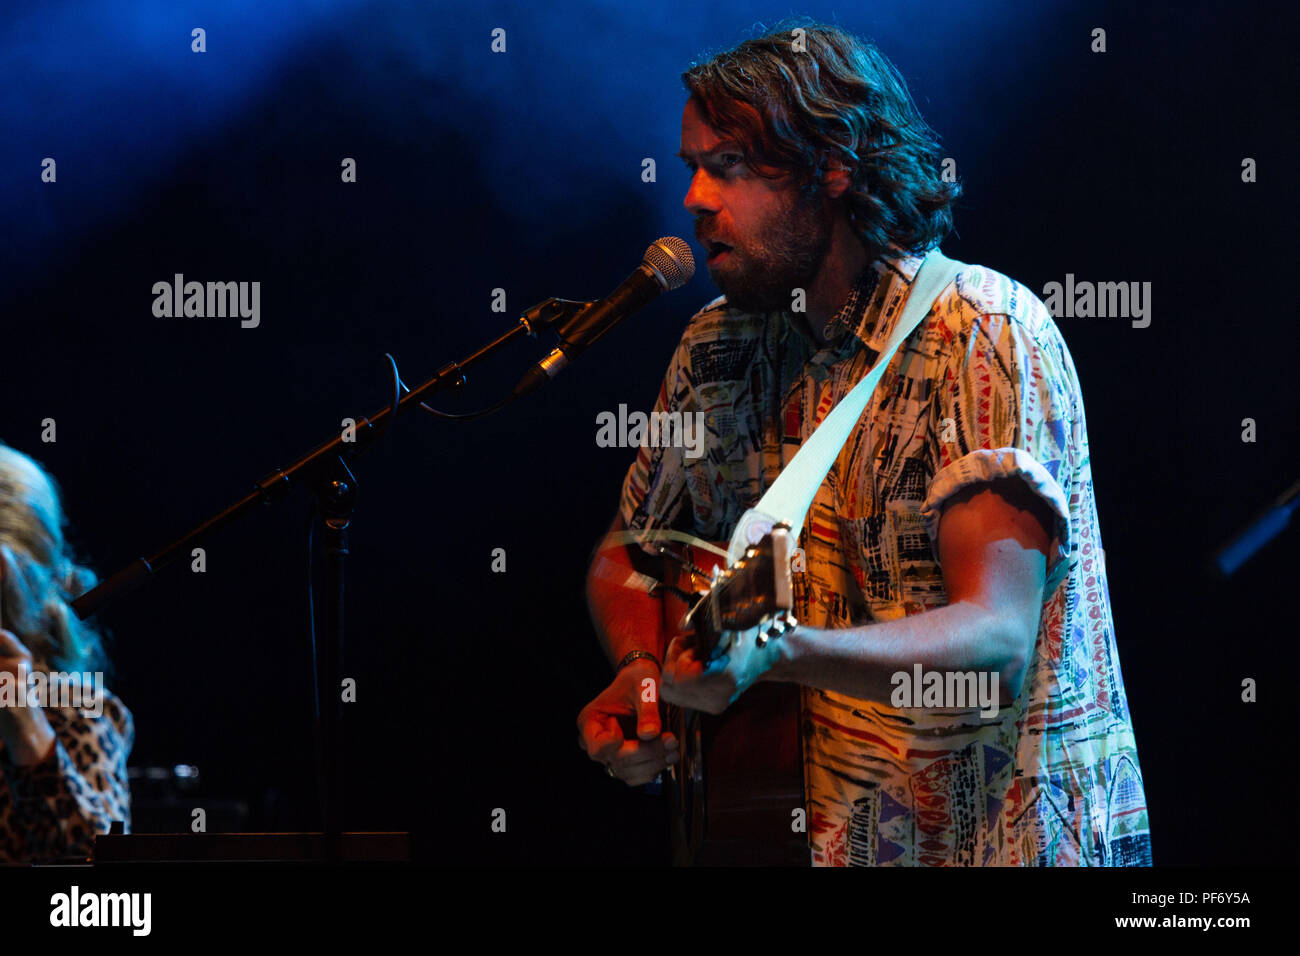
761	640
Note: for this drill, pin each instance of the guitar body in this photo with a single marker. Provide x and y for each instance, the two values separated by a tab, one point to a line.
740	776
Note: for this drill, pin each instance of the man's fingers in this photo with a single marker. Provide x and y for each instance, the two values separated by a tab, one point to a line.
682	660
641	777
606	745
627	734
636	753
673	651
680	665
601	736
647	714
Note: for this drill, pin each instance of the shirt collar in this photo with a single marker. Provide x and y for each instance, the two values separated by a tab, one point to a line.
881	286
855	315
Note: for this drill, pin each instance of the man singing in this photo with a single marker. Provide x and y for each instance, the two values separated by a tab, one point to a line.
957	531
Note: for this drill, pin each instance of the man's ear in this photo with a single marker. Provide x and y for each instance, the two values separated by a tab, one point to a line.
836	180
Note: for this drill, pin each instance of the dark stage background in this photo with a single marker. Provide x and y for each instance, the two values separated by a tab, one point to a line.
522	171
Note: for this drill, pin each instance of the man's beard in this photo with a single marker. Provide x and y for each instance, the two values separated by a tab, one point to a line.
786	253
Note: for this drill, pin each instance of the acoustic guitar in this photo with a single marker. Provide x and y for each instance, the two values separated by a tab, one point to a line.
733	794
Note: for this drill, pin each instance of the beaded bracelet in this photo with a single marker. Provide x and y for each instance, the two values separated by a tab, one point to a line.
631	656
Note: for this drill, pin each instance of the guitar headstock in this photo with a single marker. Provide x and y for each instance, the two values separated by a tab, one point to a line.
755	592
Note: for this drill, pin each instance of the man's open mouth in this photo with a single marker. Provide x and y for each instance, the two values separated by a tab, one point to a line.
716	249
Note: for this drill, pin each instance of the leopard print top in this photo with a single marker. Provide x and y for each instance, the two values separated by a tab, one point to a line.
53	810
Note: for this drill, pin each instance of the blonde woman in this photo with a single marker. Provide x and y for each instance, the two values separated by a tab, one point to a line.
64	741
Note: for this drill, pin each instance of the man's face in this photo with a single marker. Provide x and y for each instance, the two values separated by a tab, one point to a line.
763	238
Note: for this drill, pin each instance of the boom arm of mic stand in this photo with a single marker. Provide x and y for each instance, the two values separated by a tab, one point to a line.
278	483
1266	526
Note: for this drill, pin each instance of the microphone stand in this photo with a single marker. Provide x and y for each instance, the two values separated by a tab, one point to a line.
1265	526
325	471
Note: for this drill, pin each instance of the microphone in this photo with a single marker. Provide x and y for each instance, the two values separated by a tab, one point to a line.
667	264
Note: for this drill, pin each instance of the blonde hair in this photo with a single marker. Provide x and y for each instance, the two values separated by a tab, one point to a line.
38	576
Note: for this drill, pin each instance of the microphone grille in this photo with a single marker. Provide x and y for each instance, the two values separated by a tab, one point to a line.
671	258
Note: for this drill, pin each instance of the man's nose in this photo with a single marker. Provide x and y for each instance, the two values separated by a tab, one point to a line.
701	198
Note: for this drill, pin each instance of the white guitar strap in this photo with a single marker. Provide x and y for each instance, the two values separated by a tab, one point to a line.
791	495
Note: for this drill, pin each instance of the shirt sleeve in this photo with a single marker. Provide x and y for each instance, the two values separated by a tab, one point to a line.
655	493
1006	408
79	790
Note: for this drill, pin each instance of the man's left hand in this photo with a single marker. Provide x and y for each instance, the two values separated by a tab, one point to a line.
689	679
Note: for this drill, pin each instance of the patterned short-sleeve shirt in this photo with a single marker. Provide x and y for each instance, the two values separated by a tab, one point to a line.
984	388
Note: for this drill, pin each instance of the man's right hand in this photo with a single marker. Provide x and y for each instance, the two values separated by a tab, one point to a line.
621	727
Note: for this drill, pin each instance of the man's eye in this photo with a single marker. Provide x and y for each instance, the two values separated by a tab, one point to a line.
730	160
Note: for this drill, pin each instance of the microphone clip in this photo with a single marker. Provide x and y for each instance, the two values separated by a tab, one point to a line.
552	312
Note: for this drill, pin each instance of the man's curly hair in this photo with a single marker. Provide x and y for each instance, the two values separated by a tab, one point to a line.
803	103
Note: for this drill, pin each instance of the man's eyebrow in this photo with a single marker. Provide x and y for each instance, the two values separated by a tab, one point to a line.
723	147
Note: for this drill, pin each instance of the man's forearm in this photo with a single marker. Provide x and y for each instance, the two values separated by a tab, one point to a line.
861	661
626	617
